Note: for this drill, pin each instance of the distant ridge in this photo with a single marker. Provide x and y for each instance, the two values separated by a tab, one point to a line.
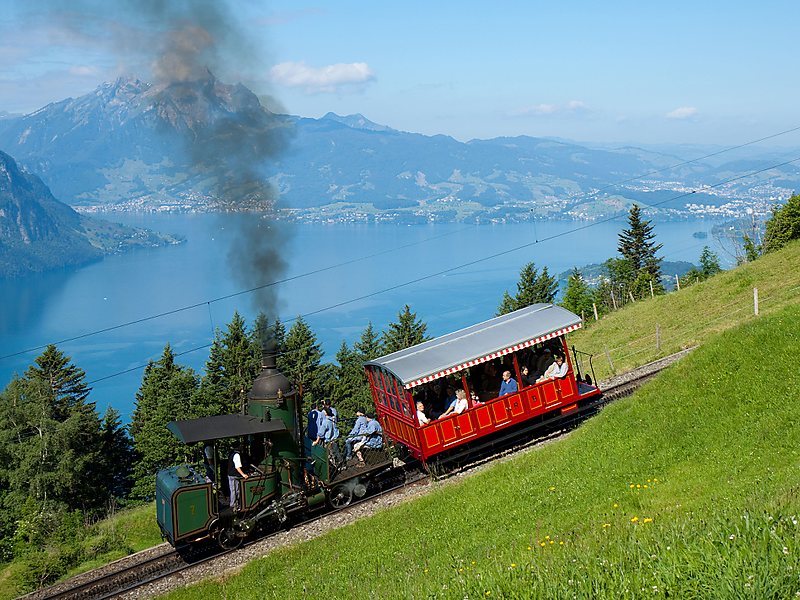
38	233
124	145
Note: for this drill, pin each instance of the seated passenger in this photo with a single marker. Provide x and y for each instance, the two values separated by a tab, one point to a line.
459	406
509	385
356	434
557	370
545	360
423	420
527	379
328	433
373	437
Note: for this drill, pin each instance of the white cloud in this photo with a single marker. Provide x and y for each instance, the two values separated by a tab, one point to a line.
83	70
331	78
571	107
684	112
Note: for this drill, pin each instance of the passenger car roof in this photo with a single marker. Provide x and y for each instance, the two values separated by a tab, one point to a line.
217	427
479	343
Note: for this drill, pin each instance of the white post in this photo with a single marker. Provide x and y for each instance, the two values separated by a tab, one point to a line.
755	300
608	356
594	307
652	294
678	282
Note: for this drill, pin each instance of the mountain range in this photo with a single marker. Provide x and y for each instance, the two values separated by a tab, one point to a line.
130	144
37	232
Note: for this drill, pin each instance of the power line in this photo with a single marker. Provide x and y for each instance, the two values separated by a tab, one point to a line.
482	259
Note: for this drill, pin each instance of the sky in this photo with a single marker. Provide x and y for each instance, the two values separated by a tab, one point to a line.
622	72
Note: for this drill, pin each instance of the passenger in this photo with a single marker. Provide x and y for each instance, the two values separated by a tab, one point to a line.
545	360
327	404
527	379
557	370
451	396
423	420
356	434
237	472
328	433
373	437
509	385
208	463
320	415
459	406
313	420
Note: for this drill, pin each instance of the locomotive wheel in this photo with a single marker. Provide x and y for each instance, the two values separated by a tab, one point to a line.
340	496
227	539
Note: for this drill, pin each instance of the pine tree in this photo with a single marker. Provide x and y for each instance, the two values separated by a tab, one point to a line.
532	288
234	362
636	245
406	332
165	395
578	296
351	390
57	451
118	456
709	263
368	346
302	357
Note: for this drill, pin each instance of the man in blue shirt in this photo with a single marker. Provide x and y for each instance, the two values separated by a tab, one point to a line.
373	433
328	434
356	434
509	385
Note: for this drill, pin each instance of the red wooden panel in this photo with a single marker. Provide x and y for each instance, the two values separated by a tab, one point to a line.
515	402
483	417
567	386
465	427
548	388
534	399
447	427
430	436
500	411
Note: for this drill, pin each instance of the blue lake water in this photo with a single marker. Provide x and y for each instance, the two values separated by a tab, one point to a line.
339	301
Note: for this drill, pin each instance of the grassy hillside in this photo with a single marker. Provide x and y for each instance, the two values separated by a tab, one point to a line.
689	316
126	532
687	489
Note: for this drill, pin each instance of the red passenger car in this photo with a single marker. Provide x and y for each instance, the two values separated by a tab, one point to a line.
474	360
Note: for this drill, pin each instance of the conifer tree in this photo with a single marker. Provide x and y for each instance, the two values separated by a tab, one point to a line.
636	245
118	456
165	395
578	296
56	436
302	357
406	332
352	390
532	288
709	263
368	346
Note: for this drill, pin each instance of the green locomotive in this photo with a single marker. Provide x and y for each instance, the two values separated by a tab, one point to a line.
288	475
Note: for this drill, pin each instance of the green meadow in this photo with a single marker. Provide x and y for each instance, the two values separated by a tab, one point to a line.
687	489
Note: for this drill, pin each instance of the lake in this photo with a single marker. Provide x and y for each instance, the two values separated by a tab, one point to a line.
339	301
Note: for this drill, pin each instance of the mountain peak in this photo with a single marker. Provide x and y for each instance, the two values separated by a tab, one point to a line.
356	121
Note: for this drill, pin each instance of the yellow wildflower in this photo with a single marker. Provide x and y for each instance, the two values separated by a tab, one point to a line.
513	565
655	480
633	486
561	543
473	562
634	519
530	548
552	541
616	505
645	486
552	488
648	520
542	544
488	593
606	525
638	485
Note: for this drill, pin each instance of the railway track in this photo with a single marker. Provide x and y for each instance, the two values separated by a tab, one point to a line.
144	577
